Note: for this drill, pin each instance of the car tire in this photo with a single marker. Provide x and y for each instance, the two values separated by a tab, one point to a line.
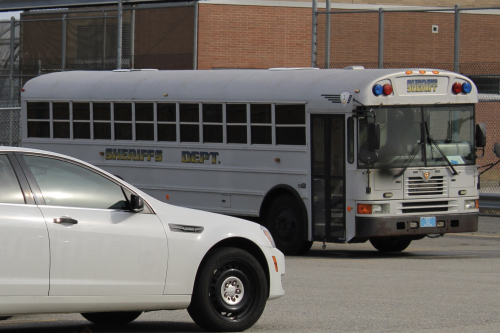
286	224
230	291
390	244
111	318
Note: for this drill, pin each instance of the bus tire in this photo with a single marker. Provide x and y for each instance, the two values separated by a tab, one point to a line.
286	223
390	244
230	291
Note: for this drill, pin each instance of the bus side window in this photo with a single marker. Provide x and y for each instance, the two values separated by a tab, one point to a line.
38	119
166	122
212	123
350	140
81	120
291	124
102	120
60	116
123	120
261	125
144	121
236	123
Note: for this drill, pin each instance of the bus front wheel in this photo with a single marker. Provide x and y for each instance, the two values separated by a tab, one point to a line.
390	244
286	223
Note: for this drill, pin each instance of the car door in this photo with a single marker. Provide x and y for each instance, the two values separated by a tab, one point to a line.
97	246
24	242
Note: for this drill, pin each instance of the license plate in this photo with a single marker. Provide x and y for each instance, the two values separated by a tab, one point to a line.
427	222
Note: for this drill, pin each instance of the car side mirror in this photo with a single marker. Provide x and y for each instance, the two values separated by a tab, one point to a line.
136	203
481	135
373	136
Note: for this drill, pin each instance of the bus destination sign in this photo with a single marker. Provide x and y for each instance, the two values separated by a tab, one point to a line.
416	86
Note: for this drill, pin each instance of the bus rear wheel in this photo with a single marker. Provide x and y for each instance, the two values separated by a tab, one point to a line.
390	244
286	223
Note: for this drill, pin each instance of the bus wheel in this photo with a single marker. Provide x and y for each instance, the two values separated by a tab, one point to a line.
284	221
390	244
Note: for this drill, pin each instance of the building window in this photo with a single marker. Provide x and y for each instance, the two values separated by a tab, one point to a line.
261	123
212	123
167	122
189	120
38	119
236	123
290	124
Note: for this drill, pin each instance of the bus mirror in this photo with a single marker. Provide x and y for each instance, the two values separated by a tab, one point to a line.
373	136
136	203
369	157
481	135
496	149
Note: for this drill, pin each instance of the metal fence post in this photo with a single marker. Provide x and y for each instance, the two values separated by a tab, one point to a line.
119	41
380	38
132	39
314	33
63	55
195	46
456	65
327	33
11	116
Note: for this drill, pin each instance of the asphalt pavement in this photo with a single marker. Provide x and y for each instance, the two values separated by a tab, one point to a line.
449	284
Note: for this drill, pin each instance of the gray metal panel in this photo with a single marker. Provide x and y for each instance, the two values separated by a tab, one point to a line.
14	5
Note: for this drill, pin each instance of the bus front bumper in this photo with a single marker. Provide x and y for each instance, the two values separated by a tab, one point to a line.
368	227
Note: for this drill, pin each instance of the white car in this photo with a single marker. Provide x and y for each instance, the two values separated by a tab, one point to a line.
75	238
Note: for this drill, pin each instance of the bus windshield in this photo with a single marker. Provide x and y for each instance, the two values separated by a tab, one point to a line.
446	131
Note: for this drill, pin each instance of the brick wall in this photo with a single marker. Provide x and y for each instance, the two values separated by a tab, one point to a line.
253	36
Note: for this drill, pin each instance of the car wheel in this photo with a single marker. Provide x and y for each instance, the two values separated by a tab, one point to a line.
111	318
230	291
390	244
286	224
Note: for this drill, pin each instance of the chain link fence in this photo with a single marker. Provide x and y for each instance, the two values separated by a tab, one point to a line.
10	127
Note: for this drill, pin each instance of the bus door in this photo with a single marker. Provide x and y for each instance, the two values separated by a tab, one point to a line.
328	177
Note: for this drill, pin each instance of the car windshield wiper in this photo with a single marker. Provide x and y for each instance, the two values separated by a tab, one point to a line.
431	141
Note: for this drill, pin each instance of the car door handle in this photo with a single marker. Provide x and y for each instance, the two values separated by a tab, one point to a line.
65	219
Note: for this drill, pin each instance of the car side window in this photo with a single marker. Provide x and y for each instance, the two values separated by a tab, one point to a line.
66	184
10	190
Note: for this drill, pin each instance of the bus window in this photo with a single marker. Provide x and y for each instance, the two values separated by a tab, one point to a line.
166	121
38	119
144	121
81	120
260	115
189	117
60	116
212	123
236	123
123	121
290	124
350	140
102	120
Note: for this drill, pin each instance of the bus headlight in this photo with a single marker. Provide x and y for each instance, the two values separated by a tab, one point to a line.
470	204
373	209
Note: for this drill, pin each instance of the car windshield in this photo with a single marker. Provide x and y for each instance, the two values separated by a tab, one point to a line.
447	132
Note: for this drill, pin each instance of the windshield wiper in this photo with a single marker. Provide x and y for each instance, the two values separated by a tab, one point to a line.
430	140
408	161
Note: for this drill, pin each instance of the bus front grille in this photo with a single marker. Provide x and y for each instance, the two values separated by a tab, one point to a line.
425	207
419	187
